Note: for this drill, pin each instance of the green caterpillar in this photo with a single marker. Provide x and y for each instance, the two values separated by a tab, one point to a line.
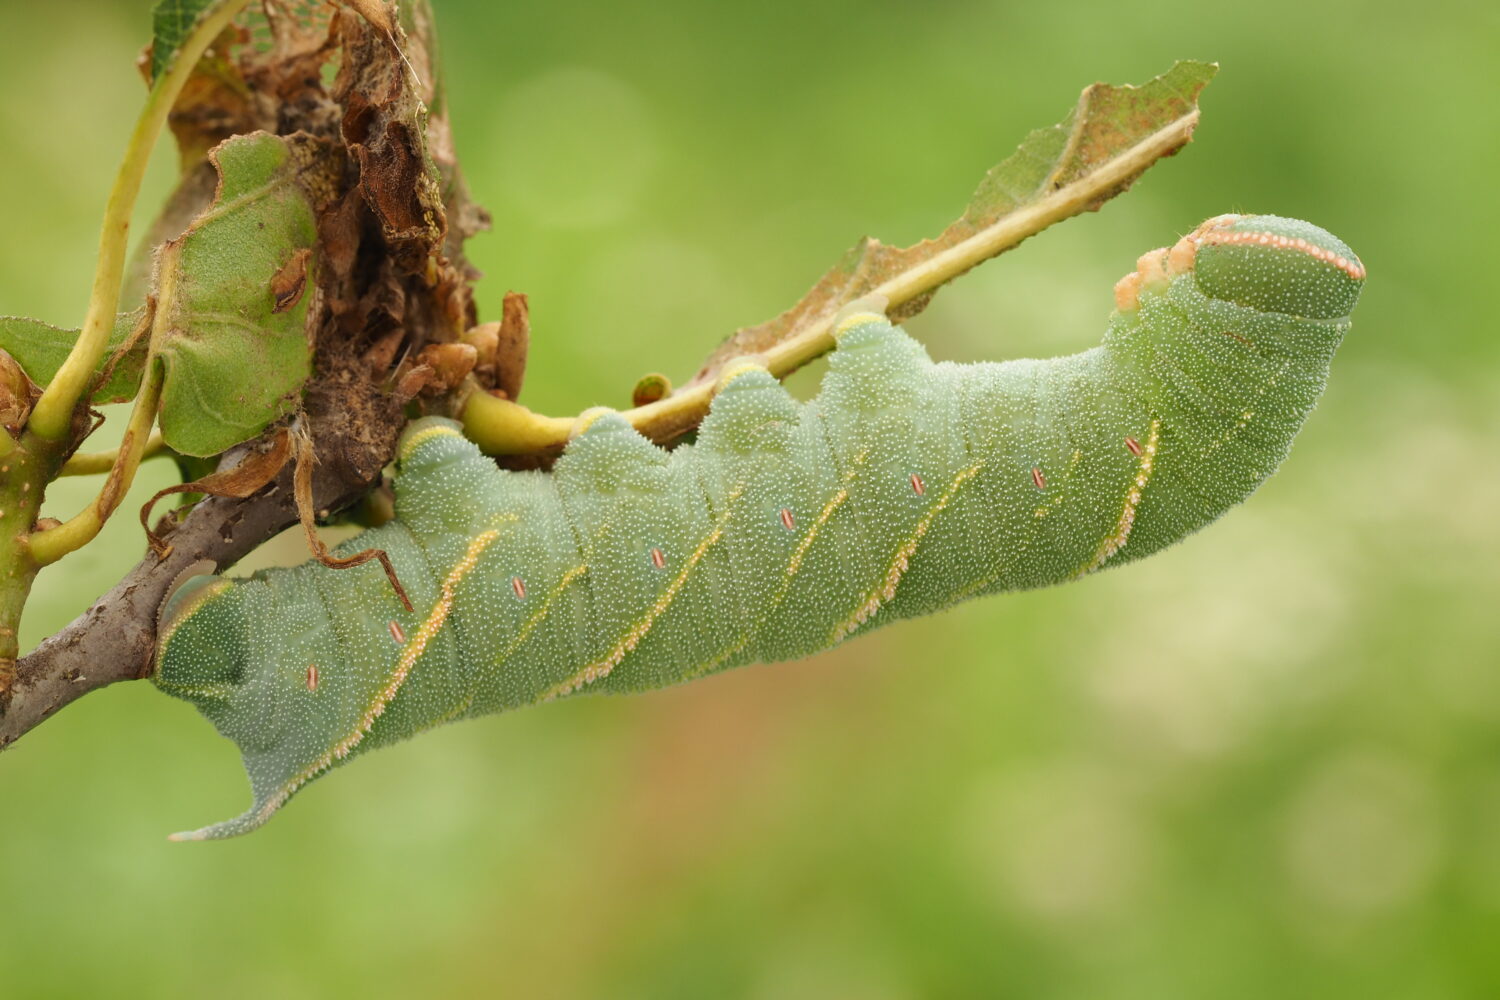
902	488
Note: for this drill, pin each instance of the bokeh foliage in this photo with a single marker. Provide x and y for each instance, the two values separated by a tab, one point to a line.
1266	763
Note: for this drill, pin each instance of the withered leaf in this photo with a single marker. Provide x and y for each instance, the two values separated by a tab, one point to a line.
250	474
513	343
384	127
288	284
1106	125
374	11
172	23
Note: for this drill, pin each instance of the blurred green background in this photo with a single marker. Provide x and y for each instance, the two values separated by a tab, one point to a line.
1265	763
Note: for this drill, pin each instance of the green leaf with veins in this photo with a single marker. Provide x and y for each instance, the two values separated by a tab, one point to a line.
232	297
41	348
172	22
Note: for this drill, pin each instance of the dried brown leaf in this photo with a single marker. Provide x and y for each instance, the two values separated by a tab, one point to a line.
252	473
376	12
1106	125
383	128
512	344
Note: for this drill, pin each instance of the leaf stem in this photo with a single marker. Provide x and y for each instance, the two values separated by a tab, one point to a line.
52	544
501	427
52	416
94	463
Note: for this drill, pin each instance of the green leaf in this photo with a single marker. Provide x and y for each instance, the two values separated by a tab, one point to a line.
1102	137
172	22
232	297
41	348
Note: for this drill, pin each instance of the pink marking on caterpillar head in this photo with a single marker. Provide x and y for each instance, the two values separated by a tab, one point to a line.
518	587
1274	264
658	559
1134	446
787	521
312	676
918	487
1219	237
396	633
1038	478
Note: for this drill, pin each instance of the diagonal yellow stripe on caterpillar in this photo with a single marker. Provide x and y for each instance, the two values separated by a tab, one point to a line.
637	632
1115	540
887	588
410	653
1248	414
541	613
574	574
793	565
522	634
602	668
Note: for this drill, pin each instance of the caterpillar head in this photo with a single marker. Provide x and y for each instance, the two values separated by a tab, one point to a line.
1263	262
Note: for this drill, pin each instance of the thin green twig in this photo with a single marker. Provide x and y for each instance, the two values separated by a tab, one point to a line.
52	416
